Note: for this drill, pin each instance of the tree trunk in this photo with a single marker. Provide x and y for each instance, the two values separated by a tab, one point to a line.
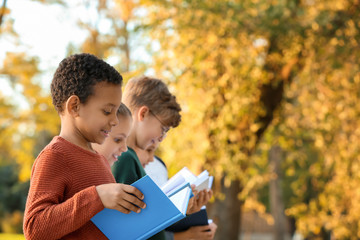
2	12
276	195
126	47
227	212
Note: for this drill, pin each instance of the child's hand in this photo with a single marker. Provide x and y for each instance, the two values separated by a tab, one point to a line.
200	199
213	228
122	197
199	232
191	200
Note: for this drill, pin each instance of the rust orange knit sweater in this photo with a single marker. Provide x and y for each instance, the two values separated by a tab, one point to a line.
62	197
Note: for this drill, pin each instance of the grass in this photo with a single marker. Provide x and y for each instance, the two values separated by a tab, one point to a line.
8	236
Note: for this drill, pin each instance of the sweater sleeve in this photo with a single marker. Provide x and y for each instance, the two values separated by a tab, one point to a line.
124	169
47	214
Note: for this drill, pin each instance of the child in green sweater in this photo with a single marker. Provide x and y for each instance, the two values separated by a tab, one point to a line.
154	110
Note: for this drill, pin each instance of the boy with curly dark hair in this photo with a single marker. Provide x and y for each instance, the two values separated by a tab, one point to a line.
71	182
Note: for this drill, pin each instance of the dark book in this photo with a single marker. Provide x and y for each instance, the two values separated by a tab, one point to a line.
196	219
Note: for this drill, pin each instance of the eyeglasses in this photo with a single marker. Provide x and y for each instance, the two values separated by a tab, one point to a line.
163	128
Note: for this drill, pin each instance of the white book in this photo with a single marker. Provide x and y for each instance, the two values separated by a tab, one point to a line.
180	179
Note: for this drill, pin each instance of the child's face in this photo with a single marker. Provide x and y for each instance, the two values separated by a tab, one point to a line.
150	130
97	115
115	144
146	156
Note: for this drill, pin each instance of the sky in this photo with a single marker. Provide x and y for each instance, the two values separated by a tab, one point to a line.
45	31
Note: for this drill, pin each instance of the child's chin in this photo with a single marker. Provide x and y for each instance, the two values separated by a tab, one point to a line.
112	162
100	141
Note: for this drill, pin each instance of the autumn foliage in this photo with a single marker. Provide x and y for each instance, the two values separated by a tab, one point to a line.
250	76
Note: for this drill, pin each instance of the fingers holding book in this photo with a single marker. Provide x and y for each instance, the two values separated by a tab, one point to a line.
121	197
200	199
206	232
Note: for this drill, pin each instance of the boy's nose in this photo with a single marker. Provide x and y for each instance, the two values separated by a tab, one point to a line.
122	149
161	138
114	120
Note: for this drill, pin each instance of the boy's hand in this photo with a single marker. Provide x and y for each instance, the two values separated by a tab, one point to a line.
199	233
200	199
213	228
121	197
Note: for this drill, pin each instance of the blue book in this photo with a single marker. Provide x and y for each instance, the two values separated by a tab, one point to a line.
161	211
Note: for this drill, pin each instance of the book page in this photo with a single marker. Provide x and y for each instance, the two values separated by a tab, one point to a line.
204	174
202	181
173	183
181	199
202	184
211	179
188	175
184	176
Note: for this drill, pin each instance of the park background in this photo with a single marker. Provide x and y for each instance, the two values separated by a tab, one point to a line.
269	89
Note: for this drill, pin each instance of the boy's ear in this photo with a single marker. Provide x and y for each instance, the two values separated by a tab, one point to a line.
143	111
72	105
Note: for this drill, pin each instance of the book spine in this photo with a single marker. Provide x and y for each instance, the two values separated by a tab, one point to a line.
162	226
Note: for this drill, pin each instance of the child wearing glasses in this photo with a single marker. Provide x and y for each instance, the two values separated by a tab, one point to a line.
154	111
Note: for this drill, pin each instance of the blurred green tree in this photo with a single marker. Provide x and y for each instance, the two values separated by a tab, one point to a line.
12	197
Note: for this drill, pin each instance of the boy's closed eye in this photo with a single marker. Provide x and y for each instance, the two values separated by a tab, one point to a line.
118	140
106	112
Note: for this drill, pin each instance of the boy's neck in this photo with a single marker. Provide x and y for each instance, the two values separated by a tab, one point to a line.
131	141
71	135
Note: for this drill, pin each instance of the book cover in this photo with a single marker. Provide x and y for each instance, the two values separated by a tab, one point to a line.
196	219
160	212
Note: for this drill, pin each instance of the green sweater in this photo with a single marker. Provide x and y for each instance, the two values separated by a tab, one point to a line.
128	169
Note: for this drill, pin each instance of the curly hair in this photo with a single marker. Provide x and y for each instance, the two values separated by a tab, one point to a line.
77	75
153	93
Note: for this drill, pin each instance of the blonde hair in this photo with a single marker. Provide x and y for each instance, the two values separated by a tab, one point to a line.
153	93
124	111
